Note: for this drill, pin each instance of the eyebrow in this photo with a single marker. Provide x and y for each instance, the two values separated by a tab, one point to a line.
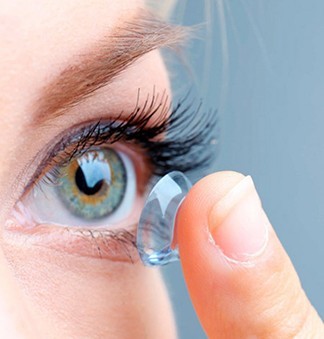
103	62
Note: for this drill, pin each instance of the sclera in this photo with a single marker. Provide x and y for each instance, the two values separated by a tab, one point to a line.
155	231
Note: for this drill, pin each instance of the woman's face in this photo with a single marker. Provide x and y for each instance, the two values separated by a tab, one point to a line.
66	64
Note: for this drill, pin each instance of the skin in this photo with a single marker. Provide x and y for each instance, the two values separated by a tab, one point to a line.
47	291
97	297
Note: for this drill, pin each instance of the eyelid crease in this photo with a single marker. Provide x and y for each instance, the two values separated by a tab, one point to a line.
131	40
180	139
86	135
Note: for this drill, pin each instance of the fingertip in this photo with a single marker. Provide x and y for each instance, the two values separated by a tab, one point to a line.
202	262
192	219
239	278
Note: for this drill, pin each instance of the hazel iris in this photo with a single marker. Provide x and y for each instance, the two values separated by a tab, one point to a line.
93	185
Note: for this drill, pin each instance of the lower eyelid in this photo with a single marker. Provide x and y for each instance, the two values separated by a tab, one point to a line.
114	242
99	243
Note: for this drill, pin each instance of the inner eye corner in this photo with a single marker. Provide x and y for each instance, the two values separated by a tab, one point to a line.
98	191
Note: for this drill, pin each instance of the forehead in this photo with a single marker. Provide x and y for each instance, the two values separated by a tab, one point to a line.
38	40
55	23
38	35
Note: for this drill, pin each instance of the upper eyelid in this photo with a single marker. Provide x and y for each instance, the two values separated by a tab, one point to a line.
154	103
77	81
190	143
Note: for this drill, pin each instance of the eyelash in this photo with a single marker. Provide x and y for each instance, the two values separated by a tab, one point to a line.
178	141
183	140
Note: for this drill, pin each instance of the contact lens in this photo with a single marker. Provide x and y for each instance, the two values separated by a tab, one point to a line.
155	233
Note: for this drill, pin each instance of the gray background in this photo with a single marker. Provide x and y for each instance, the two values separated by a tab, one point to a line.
271	127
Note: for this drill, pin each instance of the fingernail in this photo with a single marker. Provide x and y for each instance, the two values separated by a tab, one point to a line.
238	223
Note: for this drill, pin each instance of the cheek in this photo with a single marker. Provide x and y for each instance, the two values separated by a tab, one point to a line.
84	297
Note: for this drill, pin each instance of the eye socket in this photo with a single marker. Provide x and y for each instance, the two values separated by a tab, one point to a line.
98	188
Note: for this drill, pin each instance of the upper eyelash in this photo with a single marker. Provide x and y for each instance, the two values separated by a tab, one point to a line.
186	137
182	140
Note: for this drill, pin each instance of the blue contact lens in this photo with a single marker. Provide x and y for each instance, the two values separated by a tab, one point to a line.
155	231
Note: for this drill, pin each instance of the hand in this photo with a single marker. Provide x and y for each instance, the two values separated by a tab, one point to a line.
240	279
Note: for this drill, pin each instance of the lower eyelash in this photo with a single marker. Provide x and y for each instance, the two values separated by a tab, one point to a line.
184	140
98	238
116	245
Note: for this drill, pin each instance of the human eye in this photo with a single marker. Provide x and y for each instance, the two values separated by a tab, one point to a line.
96	188
85	196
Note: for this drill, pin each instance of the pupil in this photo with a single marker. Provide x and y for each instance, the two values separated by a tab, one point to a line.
83	184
